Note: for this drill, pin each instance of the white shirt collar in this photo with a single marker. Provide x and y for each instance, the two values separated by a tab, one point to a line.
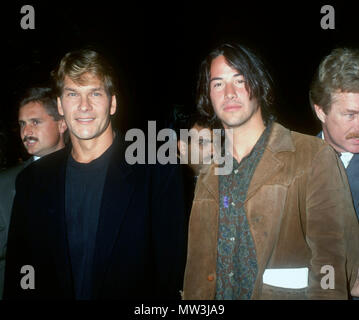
345	156
36	158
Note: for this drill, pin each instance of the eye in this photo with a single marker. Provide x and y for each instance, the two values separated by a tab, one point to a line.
217	85
35	122
350	115
204	142
239	82
96	94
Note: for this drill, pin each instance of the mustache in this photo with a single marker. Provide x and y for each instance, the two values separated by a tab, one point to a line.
352	135
30	138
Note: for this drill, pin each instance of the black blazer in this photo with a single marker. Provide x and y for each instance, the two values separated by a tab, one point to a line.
7	194
140	242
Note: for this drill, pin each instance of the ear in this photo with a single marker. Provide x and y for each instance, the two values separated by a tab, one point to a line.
320	113
113	105
62	126
59	107
182	147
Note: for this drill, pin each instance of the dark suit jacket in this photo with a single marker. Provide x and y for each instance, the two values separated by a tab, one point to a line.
7	194
140	251
353	178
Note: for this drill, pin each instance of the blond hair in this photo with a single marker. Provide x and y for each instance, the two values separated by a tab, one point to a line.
78	64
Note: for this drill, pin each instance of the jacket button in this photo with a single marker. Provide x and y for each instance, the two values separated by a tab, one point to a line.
210	278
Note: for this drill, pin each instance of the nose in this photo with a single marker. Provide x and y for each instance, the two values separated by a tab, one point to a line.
28	130
85	104
230	92
357	121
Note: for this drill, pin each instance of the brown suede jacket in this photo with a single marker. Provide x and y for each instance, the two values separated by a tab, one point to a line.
300	213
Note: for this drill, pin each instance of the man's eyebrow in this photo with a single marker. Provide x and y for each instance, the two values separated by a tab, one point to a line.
98	89
31	119
215	78
352	110
219	78
93	89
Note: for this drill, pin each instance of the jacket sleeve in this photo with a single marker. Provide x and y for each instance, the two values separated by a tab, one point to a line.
18	252
168	231
332	230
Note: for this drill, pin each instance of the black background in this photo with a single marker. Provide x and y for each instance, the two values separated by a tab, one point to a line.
156	48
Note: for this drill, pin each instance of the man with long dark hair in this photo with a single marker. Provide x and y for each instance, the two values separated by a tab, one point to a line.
281	224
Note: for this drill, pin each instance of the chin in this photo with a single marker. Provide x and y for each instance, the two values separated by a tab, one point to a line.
31	152
85	135
350	147
354	149
233	125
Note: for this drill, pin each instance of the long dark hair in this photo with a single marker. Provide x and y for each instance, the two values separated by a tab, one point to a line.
258	81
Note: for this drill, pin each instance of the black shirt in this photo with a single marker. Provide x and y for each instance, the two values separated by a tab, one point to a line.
83	194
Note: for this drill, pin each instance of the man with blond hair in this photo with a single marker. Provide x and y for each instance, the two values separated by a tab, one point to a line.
92	226
334	96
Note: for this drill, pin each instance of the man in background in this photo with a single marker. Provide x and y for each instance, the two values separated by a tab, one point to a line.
198	143
195	151
42	132
334	97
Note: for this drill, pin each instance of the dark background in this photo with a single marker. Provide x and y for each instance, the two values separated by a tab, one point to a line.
156	49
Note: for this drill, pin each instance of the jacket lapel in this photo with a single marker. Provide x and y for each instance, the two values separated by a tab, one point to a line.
58	231
208	185
118	189
279	141
265	222
270	164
